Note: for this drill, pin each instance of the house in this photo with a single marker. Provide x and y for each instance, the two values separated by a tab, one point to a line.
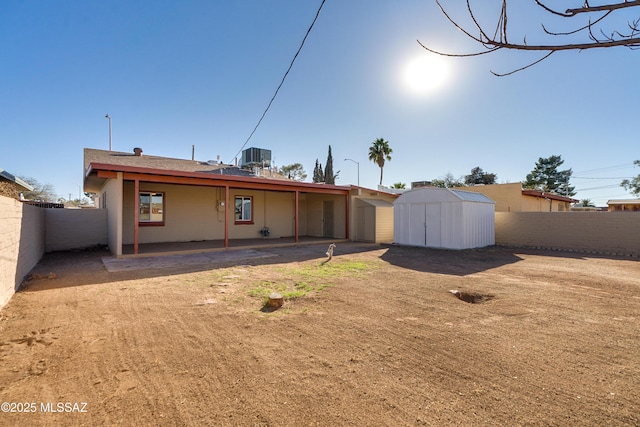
444	218
156	200
513	198
629	205
11	185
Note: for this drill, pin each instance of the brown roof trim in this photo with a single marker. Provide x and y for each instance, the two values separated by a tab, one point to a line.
284	185
357	187
536	193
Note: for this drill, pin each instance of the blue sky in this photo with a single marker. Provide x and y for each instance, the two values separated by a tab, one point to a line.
176	74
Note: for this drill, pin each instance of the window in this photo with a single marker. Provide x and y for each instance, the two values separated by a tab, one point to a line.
151	208
244	210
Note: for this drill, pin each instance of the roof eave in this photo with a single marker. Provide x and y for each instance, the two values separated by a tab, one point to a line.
107	167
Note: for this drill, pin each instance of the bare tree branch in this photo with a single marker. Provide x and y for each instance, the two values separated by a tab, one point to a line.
457	55
568	33
569	13
609	7
596	16
522	68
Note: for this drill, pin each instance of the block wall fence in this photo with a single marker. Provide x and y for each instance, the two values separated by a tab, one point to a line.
27	232
21	243
609	233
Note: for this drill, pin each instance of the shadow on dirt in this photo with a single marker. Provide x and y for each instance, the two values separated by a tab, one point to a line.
79	268
451	262
469	261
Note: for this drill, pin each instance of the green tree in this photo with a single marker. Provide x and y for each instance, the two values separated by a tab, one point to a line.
294	171
546	177
329	176
379	152
399	185
632	185
43	192
478	176
448	181
587	203
318	175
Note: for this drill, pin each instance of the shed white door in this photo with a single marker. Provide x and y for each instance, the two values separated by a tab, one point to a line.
425	225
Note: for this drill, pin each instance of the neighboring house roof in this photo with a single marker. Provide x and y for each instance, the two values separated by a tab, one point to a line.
550	196
10	177
624	202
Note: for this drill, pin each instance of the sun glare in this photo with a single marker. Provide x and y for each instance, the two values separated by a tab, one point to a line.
425	74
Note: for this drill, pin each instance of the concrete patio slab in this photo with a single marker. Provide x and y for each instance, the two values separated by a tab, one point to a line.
114	264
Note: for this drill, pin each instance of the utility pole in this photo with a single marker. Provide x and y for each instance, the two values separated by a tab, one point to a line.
358	164
109	117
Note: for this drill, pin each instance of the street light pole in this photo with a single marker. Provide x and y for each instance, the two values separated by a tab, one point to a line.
109	117
351	160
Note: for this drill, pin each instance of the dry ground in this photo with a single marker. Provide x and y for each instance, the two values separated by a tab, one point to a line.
371	338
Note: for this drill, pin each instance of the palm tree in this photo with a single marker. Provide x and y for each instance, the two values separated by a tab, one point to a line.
379	152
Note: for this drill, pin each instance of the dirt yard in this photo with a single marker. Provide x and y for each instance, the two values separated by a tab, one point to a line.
373	337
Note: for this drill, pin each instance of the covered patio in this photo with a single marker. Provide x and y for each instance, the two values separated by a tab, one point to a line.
173	248
160	205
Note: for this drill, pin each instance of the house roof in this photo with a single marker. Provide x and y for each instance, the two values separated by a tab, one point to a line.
377	203
10	177
373	192
100	165
551	196
92	155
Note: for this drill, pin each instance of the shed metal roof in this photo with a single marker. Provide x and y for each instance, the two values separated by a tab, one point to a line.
472	197
441	195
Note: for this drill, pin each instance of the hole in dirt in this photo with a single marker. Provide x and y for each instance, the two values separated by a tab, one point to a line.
472	297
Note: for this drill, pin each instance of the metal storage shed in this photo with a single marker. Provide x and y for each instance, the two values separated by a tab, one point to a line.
444	218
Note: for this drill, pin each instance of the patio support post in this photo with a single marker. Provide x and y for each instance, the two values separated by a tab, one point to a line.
296	215
136	214
226	216
346	215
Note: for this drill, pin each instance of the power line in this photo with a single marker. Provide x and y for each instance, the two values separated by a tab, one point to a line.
598	188
282	81
593	177
605	169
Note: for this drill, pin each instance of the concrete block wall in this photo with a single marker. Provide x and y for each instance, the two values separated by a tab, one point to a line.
74	228
615	233
21	243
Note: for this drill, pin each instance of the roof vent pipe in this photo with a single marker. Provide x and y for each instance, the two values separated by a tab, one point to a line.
137	151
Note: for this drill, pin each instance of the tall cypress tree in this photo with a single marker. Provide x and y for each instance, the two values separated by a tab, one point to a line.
329	177
318	176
